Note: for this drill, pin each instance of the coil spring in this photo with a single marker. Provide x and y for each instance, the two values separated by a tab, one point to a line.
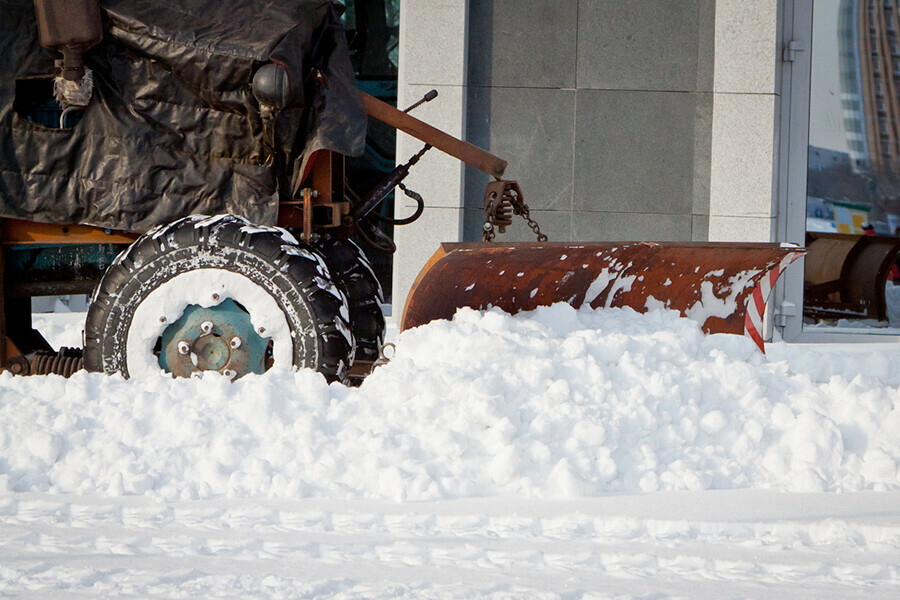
65	362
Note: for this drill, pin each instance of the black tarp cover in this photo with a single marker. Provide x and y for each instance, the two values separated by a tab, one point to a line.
173	128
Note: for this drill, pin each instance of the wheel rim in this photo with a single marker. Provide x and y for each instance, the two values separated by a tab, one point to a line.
167	303
219	338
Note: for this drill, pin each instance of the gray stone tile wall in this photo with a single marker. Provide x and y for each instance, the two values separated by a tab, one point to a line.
579	225
531	128
603	109
523	43
635	150
646	44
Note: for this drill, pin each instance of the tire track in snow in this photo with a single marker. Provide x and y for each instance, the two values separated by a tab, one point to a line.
131	546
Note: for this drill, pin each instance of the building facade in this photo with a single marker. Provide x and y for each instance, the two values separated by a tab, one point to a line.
645	119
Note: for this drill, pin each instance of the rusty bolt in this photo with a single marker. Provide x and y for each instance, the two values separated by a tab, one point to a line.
183	347
215	296
235	342
206	327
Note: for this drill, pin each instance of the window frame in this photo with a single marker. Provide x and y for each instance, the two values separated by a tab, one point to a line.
792	163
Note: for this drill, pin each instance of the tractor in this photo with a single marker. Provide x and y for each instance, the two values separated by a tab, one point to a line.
185	164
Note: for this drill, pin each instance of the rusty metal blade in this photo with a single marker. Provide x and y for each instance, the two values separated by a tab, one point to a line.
724	286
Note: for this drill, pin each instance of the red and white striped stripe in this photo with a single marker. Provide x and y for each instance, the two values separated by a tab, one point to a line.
756	304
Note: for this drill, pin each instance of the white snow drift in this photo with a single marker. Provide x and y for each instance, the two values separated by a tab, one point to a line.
554	403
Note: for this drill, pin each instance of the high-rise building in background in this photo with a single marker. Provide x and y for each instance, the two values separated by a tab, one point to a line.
870	78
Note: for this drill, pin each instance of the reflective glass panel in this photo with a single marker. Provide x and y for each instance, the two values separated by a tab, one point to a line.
853	177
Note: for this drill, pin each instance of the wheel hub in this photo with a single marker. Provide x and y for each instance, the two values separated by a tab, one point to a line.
212	353
219	338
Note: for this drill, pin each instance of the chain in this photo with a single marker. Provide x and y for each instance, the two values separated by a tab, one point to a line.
532	223
488	234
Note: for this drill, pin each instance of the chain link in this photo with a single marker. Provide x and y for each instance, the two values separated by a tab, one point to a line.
488	234
533	224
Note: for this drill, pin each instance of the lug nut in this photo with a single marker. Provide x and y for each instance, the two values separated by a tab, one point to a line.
235	343
206	327
183	347
162	319
261	330
229	373
215	296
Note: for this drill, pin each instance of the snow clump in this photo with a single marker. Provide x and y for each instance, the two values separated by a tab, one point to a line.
553	403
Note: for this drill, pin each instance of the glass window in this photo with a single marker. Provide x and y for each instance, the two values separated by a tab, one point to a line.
853	172
373	32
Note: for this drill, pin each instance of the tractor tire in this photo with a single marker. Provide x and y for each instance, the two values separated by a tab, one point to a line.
354	276
195	264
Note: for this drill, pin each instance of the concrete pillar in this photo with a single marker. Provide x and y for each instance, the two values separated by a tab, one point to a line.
745	99
433	42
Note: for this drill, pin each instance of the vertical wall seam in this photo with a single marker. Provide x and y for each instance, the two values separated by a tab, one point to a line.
575	119
464	118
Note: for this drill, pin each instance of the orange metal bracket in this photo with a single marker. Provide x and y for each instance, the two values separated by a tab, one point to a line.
16	231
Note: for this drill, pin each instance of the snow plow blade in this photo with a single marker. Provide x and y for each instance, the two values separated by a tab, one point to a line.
724	286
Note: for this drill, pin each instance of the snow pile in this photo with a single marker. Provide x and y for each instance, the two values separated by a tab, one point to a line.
554	403
60	328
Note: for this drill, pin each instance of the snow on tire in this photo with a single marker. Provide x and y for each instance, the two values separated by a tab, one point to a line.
284	287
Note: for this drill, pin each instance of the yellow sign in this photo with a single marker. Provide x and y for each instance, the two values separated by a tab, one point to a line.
850	218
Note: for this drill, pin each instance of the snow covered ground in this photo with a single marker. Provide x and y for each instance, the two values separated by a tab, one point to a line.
559	454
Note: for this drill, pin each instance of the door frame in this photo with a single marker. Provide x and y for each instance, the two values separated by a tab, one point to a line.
791	175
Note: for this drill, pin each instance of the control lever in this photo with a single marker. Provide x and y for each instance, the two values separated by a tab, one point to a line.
426	98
